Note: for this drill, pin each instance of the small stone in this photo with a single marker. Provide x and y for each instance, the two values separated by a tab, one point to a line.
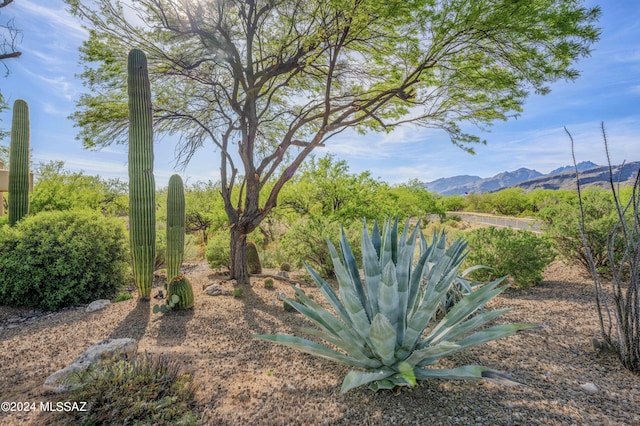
14	319
215	290
590	388
97	305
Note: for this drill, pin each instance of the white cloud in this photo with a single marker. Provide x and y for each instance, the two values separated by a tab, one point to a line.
55	17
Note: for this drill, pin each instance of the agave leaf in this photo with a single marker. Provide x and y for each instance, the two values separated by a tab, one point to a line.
464	372
311	347
350	300
354	273
419	321
465	307
472	269
358	378
388	298
474	323
322	318
406	372
329	294
383	338
433	353
403	274
493	333
371	267
375	238
394	241
419	271
382	384
349	346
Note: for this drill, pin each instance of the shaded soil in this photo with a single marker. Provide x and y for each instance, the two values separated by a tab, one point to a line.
244	381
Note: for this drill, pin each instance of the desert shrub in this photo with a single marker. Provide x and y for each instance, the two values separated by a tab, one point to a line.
57	259
218	249
518	253
144	391
192	250
562	225
306	241
161	249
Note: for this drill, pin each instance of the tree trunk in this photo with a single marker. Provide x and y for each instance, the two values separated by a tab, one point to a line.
238	266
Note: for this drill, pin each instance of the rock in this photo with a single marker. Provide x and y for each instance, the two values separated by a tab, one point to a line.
216	290
283	274
107	349
590	388
97	305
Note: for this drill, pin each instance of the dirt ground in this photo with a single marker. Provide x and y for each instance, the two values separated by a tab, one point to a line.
243	381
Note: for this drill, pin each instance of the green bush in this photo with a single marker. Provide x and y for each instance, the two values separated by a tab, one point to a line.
149	390
518	253
306	241
562	225
57	259
218	250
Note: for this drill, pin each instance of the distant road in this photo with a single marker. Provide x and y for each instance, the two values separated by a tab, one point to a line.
532	225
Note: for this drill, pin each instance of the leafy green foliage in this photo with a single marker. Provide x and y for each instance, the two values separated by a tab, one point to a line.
147	390
218	249
518	253
57	189
562	225
57	259
383	327
306	241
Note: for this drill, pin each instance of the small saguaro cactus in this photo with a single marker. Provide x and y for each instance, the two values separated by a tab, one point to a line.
19	163
175	226
253	260
142	199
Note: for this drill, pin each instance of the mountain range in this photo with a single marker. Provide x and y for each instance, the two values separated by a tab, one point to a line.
530	179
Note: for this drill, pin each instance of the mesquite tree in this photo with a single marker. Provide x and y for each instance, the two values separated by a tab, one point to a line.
268	81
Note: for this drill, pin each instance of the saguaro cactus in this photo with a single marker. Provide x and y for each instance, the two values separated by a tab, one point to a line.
142	196
19	162
175	226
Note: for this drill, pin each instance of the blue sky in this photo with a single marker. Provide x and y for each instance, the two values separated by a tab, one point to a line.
608	90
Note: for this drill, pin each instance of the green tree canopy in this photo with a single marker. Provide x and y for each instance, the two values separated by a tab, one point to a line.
268	81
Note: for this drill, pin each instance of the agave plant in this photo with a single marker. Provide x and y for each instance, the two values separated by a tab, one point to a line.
385	328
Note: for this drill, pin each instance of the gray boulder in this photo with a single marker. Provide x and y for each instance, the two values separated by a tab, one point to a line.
107	349
97	305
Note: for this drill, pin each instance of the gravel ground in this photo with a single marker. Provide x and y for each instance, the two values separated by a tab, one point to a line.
244	381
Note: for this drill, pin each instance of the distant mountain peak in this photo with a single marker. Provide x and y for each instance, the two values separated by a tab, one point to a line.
474	184
582	166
